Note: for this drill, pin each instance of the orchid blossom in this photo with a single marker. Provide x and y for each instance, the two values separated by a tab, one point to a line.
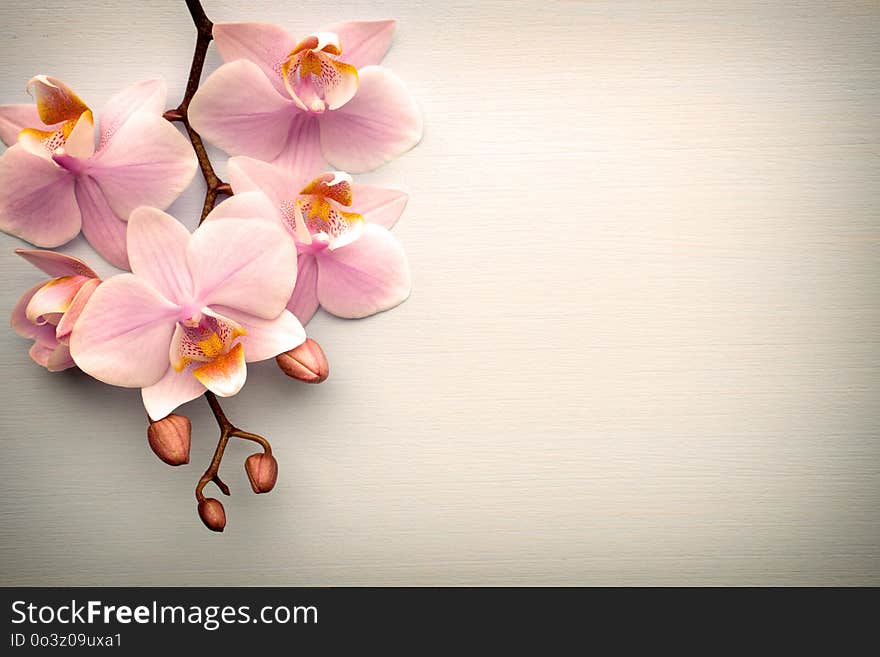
348	260
54	182
302	103
48	311
194	310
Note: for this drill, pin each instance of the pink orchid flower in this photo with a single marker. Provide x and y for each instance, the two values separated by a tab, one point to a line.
48	311
54	182
302	103
194	310
348	261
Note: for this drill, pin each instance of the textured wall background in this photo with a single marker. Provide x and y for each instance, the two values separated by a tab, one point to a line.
642	346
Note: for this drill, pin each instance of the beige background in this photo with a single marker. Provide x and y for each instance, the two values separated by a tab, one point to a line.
642	346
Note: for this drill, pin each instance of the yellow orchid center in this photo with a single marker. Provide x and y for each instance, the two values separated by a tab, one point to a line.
315	77
209	339
318	214
70	123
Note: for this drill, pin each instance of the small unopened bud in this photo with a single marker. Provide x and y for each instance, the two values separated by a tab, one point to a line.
170	439
306	362
262	470
212	514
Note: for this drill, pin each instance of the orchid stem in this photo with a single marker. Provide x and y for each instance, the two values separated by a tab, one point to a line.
204	28
215	187
227	431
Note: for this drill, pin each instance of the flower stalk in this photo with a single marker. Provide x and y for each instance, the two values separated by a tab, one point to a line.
204	28
214	188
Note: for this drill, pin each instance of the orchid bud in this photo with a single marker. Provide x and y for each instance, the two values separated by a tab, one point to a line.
262	470
170	439
212	514
306	362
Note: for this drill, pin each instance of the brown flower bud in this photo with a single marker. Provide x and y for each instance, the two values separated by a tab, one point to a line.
306	362
170	439
262	470
212	514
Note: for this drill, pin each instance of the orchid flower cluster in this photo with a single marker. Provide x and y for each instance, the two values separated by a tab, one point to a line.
298	114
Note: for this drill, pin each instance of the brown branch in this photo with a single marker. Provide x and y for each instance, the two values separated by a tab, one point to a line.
204	35
215	187
226	430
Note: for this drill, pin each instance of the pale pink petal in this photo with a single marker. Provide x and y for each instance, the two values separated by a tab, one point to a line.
41	352
248	175
147	163
363	42
246	205
301	154
16	117
60	359
226	374
56	264
304	300
266	338
248	265
365	277
37	201
53	298
23	326
146	96
122	336
378	205
238	110
379	124
71	315
264	44
157	252
172	390
100	225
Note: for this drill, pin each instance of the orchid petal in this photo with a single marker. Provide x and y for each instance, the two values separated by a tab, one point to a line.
365	277
378	205
16	117
364	42
100	225
56	102
379	124
37	201
122	336
41	352
248	265
266	338
146	96
247	174
60	359
23	326
56	264
264	44
226	374
238	110
71	315
147	163
53	298
301	154
304	300
172	390
247	205
157	252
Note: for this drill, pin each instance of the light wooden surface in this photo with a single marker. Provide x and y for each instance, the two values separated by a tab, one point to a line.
642	346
